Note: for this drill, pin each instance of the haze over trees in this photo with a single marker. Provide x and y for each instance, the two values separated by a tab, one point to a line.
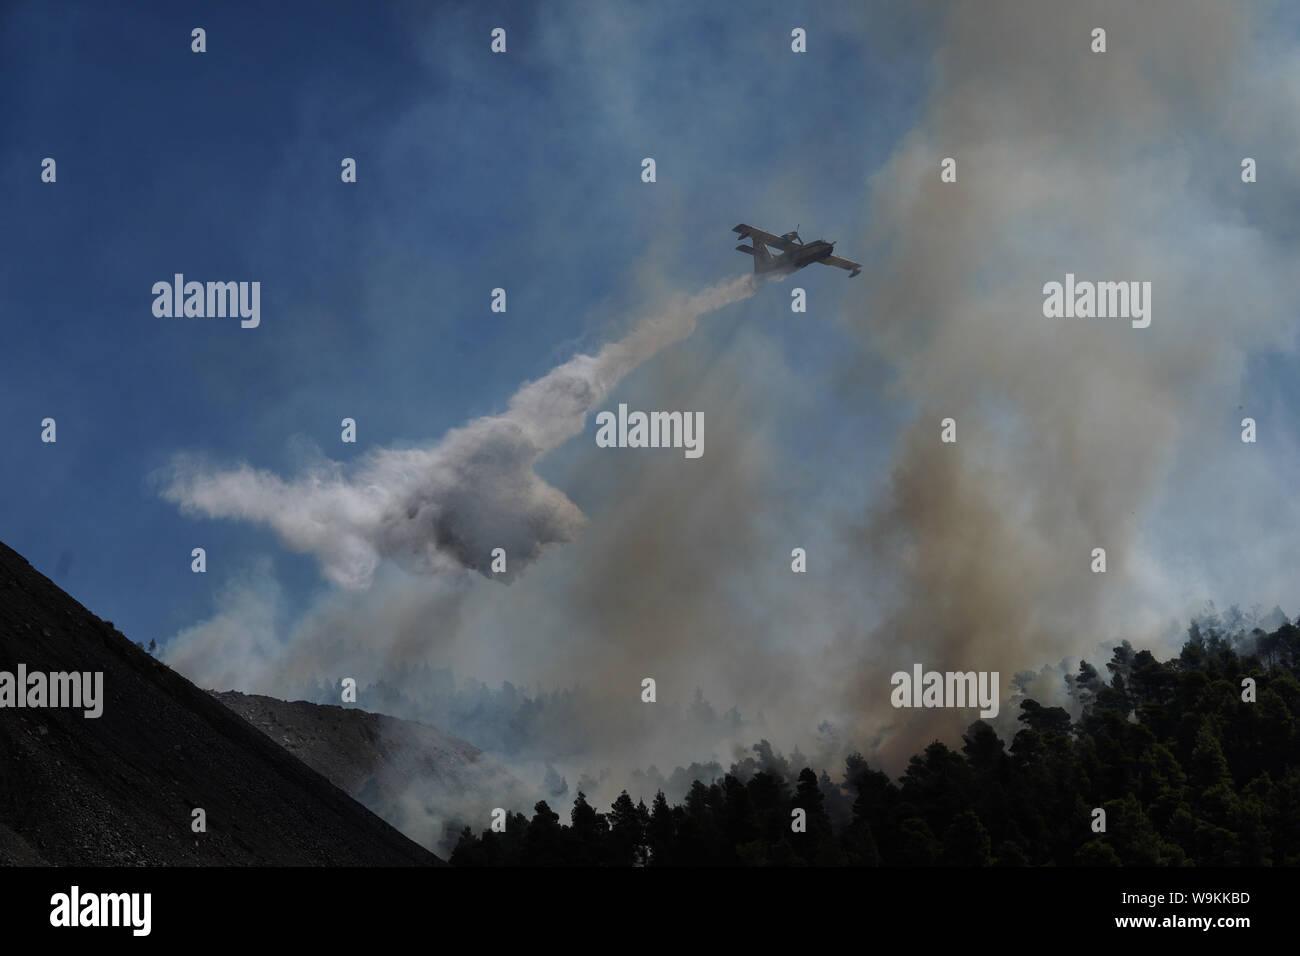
1188	770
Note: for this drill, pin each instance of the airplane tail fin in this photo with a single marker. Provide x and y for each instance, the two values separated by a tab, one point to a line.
758	252
762	258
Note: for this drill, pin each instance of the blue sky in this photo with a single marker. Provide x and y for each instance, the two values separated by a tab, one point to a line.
475	172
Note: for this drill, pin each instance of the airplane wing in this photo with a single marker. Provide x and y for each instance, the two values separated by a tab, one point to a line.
848	264
745	231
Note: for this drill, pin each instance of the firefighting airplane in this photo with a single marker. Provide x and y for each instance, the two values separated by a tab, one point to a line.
795	254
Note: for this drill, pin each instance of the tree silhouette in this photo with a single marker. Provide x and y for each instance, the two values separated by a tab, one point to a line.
1186	770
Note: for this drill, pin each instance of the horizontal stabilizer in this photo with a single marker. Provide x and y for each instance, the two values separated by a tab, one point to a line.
749	249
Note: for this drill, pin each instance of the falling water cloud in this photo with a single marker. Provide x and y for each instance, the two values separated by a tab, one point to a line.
445	507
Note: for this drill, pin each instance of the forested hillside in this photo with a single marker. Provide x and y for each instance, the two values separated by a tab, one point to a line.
1188	769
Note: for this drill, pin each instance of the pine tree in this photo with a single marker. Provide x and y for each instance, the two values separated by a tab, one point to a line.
588	834
662	832
626	832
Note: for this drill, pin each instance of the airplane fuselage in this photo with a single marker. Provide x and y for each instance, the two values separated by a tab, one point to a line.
796	257
794	253
808	254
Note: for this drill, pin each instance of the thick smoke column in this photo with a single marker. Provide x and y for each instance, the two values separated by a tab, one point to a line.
448	506
1069	431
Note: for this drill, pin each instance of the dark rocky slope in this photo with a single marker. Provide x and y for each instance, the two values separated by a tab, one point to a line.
423	781
119	789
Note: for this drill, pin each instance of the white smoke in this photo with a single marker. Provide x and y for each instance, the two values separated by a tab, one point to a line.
448	506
